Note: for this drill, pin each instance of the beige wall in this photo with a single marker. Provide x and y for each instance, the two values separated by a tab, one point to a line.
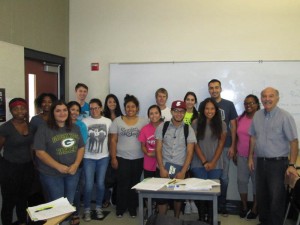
42	25
176	30
12	70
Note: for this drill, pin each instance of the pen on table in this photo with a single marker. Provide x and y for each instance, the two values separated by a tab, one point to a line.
172	181
174	185
45	208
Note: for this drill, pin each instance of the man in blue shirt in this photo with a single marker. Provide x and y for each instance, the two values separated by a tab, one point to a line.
273	138
81	92
229	115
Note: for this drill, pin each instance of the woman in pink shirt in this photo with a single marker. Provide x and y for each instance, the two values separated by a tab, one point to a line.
251	104
147	139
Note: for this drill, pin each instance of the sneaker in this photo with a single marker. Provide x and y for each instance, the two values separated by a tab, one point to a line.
187	208
87	216
132	213
251	216
119	214
99	213
194	207
224	212
243	213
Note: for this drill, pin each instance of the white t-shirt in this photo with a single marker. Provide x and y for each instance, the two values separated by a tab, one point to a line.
97	143
166	114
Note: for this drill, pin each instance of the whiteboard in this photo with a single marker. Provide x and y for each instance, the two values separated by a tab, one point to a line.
239	78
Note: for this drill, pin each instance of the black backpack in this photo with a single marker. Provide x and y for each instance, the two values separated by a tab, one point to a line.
186	130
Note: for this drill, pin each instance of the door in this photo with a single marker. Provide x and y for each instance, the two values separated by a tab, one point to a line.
46	73
45	81
39	79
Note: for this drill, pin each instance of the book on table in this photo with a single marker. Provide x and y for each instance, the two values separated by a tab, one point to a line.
155	184
51	209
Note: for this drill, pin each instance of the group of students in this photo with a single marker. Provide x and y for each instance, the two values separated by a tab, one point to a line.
214	124
65	154
53	152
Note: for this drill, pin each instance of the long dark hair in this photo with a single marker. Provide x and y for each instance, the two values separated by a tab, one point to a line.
256	100
71	103
52	122
195	112
215	123
106	111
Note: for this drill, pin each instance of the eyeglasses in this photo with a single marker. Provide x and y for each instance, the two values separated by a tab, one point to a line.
249	103
96	108
178	111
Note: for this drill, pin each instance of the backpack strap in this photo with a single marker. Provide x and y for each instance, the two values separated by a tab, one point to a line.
186	132
165	127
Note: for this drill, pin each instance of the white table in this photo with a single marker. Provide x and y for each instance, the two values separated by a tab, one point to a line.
170	193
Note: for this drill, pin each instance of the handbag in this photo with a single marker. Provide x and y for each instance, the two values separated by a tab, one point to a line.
110	177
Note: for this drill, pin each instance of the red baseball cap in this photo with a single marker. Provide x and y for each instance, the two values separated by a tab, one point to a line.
178	104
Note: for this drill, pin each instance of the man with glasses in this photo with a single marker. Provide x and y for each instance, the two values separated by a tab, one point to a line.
174	150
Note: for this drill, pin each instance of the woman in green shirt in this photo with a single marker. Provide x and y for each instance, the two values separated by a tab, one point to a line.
190	100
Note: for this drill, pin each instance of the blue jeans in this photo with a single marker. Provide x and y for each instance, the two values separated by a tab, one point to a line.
202	173
63	186
224	177
92	167
78	192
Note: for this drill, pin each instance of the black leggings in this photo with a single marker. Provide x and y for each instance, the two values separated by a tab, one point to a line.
129	174
15	190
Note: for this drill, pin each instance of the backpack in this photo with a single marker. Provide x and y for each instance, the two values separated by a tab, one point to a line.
186	130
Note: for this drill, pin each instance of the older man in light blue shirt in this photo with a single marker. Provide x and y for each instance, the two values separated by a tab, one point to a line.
273	138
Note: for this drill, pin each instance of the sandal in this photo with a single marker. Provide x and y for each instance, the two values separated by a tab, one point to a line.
75	220
106	204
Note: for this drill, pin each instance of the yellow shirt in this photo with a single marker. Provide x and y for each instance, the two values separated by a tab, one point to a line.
188	118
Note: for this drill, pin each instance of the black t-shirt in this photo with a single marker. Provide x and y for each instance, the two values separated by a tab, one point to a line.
16	146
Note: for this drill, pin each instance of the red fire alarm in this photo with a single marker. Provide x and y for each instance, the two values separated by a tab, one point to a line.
95	66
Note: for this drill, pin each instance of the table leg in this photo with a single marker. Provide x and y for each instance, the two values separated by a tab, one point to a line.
149	208
141	210
215	210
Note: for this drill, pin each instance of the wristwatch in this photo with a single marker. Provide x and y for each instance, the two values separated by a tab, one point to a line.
292	164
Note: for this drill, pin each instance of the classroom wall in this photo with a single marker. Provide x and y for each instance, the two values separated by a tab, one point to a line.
12	70
175	30
35	24
11	74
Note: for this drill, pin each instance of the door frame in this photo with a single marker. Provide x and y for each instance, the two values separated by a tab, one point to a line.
50	58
